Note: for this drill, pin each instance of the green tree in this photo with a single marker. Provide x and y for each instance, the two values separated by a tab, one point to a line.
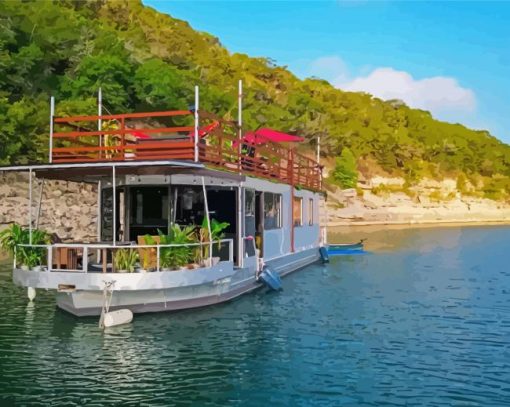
345	173
161	86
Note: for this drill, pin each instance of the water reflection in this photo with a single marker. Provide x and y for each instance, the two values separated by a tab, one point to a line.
425	322
29	317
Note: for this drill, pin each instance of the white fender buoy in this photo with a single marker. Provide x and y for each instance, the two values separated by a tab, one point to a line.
31	293
119	317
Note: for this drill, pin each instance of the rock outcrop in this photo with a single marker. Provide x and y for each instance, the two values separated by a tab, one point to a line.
67	208
429	202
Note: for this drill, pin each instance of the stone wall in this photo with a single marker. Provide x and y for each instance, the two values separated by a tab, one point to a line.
68	208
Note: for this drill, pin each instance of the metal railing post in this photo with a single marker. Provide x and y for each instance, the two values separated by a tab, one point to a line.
85	261
52	115
240	225
30	206
114	211
99	120
123	138
231	250
240	125
196	123
50	257
157	258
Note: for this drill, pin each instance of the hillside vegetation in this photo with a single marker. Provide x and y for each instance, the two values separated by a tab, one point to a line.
145	60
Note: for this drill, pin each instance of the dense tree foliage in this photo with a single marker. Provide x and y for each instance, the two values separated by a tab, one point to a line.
345	173
145	60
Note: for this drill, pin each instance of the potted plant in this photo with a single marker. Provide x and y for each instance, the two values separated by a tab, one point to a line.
37	254
176	257
145	261
125	260
27	257
12	237
32	261
217	233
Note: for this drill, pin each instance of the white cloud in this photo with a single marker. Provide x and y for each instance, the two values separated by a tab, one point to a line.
441	95
438	94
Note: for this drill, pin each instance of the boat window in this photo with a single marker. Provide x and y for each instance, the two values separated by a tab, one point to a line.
297	212
310	211
189	205
272	211
107	214
148	211
249	206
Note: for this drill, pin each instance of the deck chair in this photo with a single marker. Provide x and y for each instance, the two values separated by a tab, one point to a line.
63	257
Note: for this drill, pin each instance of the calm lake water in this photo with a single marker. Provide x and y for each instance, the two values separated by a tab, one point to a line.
424	319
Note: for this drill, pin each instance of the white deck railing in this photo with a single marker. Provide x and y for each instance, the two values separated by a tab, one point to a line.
83	250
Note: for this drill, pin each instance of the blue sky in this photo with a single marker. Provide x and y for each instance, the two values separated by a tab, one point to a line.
451	58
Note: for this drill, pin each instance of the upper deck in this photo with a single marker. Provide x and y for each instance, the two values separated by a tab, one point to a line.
178	135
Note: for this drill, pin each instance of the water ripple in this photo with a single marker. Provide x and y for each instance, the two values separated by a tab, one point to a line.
405	327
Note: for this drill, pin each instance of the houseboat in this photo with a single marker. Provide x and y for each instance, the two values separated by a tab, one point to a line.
192	210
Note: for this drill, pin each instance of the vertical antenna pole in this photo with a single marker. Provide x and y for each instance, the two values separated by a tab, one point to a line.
240	110
240	123
318	150
240	206
207	216
114	211
99	120
99	216
30	206
196	123
52	115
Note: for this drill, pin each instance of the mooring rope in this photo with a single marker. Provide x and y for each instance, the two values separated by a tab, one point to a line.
107	300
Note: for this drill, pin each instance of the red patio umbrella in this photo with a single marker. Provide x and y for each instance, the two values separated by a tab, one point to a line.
262	135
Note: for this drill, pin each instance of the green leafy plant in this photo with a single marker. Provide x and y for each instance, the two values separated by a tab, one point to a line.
345	173
177	256
13	237
125	260
217	230
32	259
217	233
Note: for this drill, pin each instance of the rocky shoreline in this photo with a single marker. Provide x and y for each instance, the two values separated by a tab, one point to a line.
367	205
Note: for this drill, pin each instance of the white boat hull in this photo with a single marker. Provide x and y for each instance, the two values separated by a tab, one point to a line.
158	291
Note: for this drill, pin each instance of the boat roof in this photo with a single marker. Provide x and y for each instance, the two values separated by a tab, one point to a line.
96	171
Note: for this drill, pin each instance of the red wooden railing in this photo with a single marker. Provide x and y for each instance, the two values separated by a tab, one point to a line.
139	136
120	138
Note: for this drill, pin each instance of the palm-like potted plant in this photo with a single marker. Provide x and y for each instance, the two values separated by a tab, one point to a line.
175	257
39	237
125	260
13	237
217	233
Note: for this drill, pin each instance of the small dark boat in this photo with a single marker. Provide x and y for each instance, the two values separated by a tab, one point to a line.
345	248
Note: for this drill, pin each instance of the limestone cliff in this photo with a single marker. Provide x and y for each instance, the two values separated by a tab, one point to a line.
386	201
